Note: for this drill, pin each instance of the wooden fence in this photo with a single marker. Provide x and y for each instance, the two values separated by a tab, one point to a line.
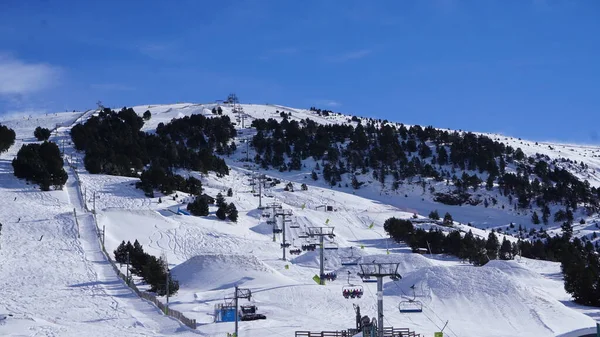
387	332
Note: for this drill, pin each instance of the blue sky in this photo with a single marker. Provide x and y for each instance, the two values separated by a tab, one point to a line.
528	68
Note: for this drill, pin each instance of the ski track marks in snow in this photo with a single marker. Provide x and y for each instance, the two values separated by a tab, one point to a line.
211	256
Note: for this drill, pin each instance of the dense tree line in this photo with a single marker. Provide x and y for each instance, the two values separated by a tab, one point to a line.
579	259
151	269
156	177
581	269
41	164
114	144
395	153
7	138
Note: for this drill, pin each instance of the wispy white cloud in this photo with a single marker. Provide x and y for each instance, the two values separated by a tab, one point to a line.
350	55
18	77
111	87
328	103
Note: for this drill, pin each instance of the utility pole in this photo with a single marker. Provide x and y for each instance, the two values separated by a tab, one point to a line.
239	293
283	213
260	178
164	258
321	232
127	277
379	271
273	219
247	150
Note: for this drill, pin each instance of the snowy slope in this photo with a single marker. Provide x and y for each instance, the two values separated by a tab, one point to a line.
209	257
53	282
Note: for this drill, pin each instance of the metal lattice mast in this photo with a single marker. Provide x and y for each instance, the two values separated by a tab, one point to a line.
321	232
379	271
261	180
283	213
239	293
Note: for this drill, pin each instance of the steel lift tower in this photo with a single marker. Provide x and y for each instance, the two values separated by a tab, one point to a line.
379	271
320	232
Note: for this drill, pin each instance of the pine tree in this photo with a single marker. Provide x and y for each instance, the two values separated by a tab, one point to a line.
220	201
492	245
506	250
138	259
314	175
121	253
355	183
230	192
221	213
147	115
232	213
198	207
304	187
567	230
434	215
489	184
535	219
448	219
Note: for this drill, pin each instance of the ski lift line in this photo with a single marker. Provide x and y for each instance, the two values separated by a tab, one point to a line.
440	320
423	312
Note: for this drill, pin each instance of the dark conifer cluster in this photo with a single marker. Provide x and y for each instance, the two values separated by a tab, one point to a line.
7	138
114	144
395	154
41	164
41	133
151	269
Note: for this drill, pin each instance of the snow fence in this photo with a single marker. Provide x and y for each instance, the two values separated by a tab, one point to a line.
191	323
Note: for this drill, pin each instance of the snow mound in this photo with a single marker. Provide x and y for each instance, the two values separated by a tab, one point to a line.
513	268
218	271
490	294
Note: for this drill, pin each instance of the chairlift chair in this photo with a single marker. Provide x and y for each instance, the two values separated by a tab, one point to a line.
277	230
295	251
303	235
350	260
331	246
285	245
352	291
294	225
410	306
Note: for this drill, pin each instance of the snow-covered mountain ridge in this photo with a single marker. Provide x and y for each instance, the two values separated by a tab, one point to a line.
504	298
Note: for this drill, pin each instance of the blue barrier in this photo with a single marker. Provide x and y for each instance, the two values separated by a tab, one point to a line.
180	211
